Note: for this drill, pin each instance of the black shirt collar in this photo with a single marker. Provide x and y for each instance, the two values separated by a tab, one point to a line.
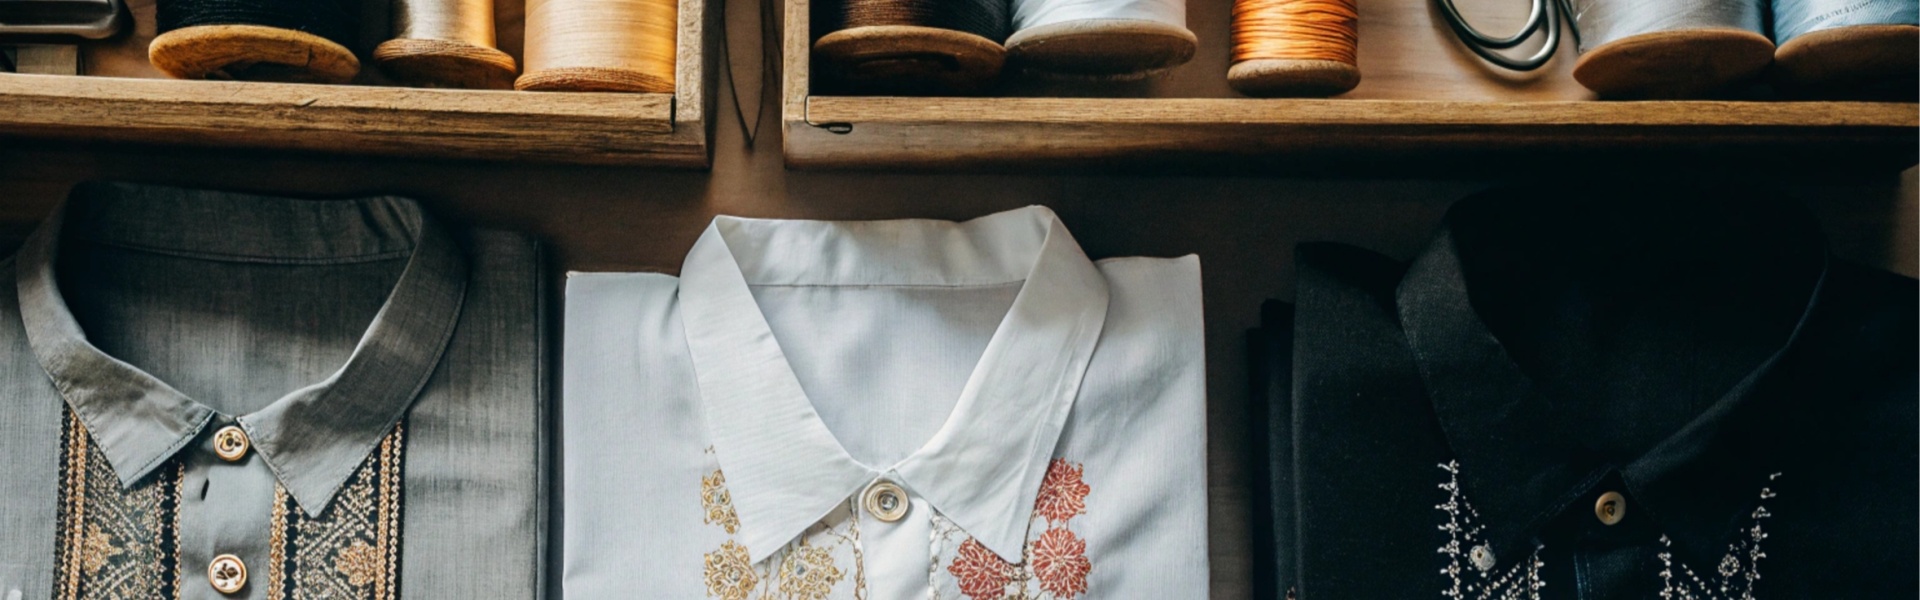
1524	461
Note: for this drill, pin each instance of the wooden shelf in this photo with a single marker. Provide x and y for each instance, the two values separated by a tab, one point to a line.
1425	105
123	99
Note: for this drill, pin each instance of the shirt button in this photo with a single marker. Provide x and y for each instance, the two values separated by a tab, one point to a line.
1610	508
227	574
231	443
885	501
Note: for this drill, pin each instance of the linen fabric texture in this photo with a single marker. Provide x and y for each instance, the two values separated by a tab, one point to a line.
386	371
733	432
1456	422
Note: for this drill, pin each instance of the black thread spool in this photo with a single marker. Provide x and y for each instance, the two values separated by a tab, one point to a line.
302	41
912	46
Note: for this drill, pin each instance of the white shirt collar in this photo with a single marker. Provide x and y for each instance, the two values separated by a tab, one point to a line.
982	469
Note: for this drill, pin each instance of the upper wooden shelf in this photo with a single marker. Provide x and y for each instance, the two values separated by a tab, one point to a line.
124	99
1425	105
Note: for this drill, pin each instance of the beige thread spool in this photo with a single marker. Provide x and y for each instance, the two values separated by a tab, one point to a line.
445	43
600	45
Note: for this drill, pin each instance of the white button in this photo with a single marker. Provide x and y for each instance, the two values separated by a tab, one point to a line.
227	574
885	501
1610	508
230	443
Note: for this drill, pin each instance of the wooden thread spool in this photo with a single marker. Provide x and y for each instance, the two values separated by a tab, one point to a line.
600	45
445	43
912	46
1295	47
1100	39
1847	49
1669	49
301	41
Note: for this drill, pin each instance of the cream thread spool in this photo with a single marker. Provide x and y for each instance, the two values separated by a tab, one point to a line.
1100	39
1668	48
445	43
1847	47
600	46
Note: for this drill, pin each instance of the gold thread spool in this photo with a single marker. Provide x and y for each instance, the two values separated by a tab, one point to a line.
1295	47
600	45
445	43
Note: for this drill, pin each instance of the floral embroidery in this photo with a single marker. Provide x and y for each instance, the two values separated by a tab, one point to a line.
730	575
1060	563
982	574
1738	571
113	541
359	562
808	573
718	503
1062	494
1053	564
807	569
1477	580
96	550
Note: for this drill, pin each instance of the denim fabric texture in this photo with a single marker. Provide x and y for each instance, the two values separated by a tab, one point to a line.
1677	347
348	339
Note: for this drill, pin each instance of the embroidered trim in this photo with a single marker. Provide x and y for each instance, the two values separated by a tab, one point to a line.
113	542
1475	579
1053	566
350	551
804	570
1737	572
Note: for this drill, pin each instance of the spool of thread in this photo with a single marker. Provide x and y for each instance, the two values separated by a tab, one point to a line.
303	41
1100	39
1847	47
1295	47
445	43
912	46
600	45
1669	48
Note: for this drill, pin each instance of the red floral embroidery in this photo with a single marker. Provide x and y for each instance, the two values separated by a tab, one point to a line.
1060	563
1062	494
983	576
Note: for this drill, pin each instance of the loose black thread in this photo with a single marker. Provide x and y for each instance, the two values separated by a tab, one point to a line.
991	19
335	20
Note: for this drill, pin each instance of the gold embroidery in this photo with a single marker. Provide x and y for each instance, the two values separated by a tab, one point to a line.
350	551
718	502
114	542
729	574
808	573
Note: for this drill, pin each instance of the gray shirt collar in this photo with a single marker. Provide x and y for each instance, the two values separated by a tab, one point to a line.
314	437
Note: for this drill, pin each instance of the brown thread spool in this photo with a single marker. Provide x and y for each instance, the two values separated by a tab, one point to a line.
300	41
1114	40
1295	47
600	46
912	46
445	43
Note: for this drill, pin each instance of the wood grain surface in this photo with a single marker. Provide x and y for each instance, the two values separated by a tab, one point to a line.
125	99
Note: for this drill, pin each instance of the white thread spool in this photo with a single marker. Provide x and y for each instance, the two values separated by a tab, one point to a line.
1847	47
1100	39
1669	48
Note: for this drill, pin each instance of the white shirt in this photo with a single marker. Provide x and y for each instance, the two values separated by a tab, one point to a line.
886	410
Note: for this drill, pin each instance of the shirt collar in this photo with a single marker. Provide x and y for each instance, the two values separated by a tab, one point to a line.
1523	462
312	438
982	468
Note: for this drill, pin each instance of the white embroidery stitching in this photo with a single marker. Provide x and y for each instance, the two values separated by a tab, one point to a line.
1476	581
1737	572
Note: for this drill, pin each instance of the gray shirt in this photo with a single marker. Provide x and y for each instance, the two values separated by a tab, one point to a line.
212	395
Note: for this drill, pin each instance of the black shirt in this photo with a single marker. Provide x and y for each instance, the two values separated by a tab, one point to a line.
1602	396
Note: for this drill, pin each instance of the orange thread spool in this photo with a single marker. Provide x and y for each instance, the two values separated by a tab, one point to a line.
1295	47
